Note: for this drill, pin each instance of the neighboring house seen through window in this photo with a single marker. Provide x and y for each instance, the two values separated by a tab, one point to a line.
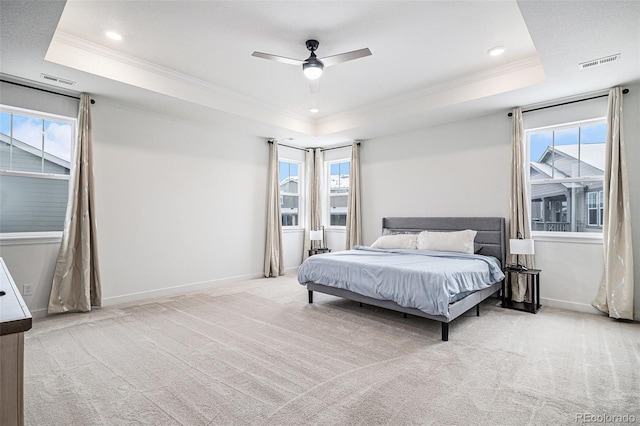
566	176
35	164
338	192
290	192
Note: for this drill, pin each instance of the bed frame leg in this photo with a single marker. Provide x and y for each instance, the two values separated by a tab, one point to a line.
360	304
478	310
310	296
405	314
445	331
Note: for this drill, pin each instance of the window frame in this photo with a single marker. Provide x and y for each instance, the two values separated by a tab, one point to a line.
300	194
599	207
41	237
569	236
327	214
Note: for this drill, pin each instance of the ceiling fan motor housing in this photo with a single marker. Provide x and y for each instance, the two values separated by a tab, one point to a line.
312	45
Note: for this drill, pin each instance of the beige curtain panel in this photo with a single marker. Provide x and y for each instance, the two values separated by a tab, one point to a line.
273	253
309	173
615	296
76	281
354	225
314	160
316	194
519	225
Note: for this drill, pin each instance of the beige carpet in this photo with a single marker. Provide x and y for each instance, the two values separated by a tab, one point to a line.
255	352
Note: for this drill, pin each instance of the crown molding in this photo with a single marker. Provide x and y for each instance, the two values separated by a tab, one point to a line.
87	56
524	65
150	67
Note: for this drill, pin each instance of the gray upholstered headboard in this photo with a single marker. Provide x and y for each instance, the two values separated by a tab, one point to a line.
491	230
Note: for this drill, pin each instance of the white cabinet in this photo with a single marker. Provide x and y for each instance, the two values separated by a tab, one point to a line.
15	319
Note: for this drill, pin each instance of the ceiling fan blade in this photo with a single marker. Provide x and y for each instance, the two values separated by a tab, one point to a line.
314	85
280	59
344	57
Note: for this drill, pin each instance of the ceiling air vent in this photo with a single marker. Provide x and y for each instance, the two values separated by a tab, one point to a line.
597	62
57	79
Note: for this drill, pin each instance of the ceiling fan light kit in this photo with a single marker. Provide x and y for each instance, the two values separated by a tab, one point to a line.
312	69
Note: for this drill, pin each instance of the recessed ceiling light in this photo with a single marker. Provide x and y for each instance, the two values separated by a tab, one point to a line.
314	110
113	35
496	51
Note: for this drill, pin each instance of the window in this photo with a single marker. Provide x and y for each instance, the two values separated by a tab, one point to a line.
35	163
595	206
566	168
338	192
290	192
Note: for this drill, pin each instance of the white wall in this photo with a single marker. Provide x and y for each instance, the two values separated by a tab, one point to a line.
179	203
458	169
32	264
179	206
462	169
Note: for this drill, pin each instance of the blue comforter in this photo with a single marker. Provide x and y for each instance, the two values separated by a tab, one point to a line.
421	279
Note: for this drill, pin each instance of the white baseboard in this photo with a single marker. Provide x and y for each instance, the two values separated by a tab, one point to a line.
132	297
38	313
569	306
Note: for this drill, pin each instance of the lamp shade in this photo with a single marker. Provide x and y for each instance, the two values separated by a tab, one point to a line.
315	235
521	246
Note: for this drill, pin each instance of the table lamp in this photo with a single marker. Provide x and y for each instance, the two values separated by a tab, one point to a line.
317	236
520	246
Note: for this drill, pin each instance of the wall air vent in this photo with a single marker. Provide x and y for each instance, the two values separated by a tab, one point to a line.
597	62
55	79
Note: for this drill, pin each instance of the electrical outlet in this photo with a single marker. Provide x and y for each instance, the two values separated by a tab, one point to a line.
27	290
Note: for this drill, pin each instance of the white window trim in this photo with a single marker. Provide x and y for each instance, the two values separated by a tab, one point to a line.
20	238
301	200
292	229
327	198
51	237
34	175
569	237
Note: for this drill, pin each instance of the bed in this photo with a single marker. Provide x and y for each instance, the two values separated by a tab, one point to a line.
363	274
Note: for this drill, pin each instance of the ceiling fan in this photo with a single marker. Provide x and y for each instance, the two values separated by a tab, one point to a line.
313	66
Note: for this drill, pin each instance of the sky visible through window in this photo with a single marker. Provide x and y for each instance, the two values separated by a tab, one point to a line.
590	134
288	170
57	136
340	168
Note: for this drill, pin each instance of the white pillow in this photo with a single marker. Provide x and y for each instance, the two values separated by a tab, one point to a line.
398	241
457	241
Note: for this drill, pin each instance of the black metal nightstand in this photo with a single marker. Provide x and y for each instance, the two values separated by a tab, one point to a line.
319	251
532	277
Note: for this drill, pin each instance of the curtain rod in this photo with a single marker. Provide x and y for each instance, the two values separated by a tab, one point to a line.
43	90
624	92
288	146
321	149
338	147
